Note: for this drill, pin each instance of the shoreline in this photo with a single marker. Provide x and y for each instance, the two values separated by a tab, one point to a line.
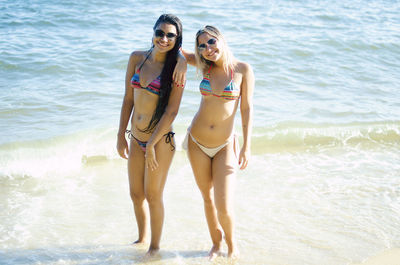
389	256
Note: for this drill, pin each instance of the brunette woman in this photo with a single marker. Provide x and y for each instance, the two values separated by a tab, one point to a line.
152	101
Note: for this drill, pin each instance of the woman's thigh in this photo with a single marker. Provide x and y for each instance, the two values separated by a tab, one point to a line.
224	167
136	169
201	166
155	179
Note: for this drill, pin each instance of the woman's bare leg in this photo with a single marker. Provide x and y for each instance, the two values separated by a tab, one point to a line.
224	165
136	188
154	188
201	165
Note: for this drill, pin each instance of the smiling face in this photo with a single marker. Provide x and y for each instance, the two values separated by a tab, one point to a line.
209	47
164	37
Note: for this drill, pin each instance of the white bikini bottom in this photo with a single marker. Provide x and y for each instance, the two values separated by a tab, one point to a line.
211	152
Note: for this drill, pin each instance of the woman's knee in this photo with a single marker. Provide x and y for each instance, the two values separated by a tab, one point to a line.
224	209
137	196
207	197
153	196
208	200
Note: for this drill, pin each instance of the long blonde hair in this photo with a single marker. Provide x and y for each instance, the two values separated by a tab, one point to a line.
203	64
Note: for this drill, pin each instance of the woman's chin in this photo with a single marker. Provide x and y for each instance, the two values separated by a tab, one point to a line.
212	58
162	48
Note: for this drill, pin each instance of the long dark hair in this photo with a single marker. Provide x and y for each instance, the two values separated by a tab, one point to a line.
168	69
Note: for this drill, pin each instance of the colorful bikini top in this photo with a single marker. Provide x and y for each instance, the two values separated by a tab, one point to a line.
155	85
230	91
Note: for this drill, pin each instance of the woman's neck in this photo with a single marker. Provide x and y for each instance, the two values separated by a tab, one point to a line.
219	63
158	57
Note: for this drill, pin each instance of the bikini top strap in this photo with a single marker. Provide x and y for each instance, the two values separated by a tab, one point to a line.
147	56
208	72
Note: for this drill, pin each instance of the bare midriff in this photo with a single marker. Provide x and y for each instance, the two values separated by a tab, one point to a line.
145	103
213	123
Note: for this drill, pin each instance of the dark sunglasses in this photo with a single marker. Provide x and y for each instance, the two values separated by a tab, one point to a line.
160	34
203	46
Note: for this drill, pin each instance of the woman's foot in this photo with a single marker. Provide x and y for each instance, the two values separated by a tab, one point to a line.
233	252
214	252
152	252
139	241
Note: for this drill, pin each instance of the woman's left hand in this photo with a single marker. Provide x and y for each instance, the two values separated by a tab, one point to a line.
244	158
150	157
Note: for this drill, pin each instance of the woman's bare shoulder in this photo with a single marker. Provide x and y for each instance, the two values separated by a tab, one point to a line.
138	55
242	67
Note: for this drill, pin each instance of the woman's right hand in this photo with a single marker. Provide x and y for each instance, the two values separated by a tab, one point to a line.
122	147
179	75
244	157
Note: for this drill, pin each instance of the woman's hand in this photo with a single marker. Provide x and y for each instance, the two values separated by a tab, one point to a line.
179	75
244	158
122	147
150	157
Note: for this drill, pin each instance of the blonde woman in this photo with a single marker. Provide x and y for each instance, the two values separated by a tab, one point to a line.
211	143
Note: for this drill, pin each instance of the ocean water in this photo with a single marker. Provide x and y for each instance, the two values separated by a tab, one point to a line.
323	185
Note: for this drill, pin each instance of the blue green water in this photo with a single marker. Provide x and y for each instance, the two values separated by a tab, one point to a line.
326	128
